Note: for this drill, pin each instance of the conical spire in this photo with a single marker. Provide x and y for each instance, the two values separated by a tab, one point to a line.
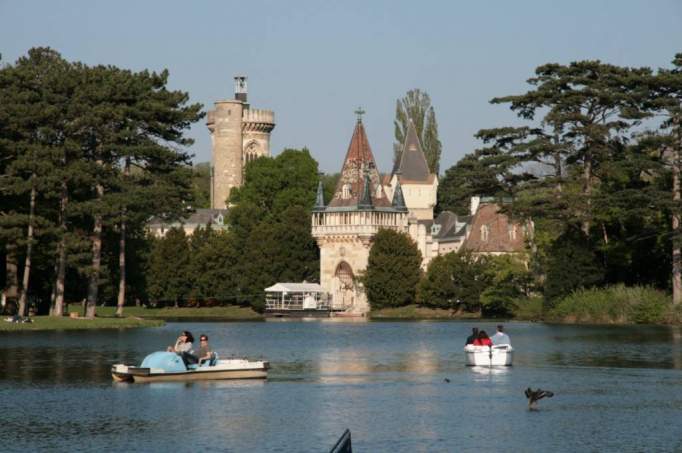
319	200
366	200
413	165
352	182
398	198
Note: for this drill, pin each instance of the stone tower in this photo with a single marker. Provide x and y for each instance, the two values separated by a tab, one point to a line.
345	228
239	134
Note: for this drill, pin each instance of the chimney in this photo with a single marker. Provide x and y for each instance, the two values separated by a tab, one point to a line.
240	90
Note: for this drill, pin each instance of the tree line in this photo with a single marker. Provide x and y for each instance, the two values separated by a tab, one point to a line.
88	155
595	168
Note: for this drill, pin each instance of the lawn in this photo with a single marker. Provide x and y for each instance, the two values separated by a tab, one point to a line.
66	323
231	312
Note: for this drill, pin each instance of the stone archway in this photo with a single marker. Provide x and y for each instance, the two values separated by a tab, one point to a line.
344	288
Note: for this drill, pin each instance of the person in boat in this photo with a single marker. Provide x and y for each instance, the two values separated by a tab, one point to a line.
500	337
483	339
184	348
471	338
205	354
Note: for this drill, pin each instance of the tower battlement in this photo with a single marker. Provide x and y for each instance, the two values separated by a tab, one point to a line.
239	134
258	120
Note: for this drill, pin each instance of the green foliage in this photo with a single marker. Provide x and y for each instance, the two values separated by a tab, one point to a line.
614	304
393	270
571	264
201	185
416	106
169	265
455	281
270	226
510	282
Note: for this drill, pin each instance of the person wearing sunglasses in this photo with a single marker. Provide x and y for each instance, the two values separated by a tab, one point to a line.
205	354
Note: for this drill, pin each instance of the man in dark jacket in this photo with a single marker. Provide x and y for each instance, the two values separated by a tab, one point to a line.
473	336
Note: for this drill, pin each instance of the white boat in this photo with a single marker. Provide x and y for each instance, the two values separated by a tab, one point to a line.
168	367
497	355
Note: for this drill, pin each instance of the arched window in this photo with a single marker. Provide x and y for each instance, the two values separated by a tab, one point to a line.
345	191
484	232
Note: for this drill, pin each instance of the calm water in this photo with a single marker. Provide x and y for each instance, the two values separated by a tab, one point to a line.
616	389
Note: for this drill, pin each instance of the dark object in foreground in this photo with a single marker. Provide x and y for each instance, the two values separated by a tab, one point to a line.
535	395
446	380
343	445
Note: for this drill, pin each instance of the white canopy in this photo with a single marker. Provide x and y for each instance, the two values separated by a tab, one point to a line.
295	288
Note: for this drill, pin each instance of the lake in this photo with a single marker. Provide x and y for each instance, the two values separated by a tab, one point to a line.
616	389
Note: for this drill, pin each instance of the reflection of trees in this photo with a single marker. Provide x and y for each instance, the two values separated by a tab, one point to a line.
676	332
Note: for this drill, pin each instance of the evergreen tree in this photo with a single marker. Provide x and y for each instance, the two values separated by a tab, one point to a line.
393	270
416	106
168	270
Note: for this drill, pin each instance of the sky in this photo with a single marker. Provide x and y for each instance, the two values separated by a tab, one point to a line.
315	62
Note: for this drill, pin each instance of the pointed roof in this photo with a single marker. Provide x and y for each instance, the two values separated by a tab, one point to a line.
398	198
413	165
359	160
319	198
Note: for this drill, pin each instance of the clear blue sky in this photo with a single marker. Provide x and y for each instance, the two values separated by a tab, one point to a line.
314	62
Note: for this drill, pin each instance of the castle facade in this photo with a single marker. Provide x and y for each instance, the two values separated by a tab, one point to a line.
364	202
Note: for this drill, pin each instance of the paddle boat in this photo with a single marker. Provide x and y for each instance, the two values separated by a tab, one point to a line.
497	355
168	367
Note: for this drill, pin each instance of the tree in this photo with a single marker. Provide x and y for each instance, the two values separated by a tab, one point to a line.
572	263
270	224
510	281
132	120
393	270
590	106
416	106
33	114
455	281
169	267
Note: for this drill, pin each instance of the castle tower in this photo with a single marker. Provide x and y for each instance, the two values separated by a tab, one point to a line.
345	228
239	134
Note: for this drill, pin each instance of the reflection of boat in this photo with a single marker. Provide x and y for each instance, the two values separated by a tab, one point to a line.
168	366
498	355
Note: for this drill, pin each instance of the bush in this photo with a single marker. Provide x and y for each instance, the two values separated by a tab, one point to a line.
393	270
614	304
530	308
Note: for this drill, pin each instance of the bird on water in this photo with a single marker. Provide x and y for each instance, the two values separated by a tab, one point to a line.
535	395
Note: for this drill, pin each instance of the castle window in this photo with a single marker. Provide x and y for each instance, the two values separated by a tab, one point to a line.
484	232
345	191
511	229
435	229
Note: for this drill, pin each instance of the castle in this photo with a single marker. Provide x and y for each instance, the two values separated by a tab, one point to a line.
239	134
364	202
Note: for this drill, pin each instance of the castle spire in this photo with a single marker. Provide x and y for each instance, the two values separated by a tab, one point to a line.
413	164
398	198
352	181
319	201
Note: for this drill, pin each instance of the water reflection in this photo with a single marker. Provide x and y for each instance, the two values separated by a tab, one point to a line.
384	380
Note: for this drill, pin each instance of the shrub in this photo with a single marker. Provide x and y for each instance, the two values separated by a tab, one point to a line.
614	304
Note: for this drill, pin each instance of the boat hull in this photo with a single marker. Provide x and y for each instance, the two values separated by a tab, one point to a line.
501	355
123	373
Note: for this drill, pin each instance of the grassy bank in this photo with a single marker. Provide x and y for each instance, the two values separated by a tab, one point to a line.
616	305
417	312
229	313
66	323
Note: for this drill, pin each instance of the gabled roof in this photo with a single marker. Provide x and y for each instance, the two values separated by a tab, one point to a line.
499	231
359	161
413	165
